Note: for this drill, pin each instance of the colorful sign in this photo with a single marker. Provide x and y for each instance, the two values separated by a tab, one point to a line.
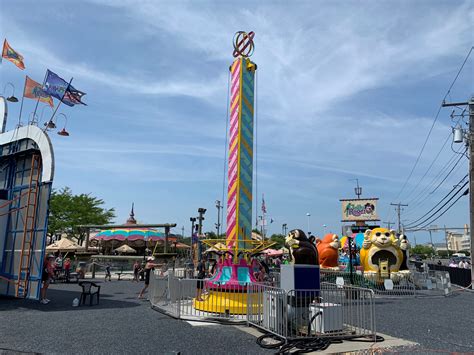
359	210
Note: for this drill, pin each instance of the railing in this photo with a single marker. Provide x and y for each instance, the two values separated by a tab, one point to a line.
332	311
458	276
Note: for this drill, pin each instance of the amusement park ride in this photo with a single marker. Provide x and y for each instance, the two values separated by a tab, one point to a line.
26	177
382	252
227	288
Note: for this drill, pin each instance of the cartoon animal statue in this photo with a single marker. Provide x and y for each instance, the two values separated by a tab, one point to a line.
328	251
404	246
381	253
302	249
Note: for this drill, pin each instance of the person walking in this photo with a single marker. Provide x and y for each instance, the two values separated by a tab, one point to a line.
149	266
46	276
67	269
136	270
107	272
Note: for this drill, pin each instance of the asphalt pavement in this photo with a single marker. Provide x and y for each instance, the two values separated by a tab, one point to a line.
122	324
437	324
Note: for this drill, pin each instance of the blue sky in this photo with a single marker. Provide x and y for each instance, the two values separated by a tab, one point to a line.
346	89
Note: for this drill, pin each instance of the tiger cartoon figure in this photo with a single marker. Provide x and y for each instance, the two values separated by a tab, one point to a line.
381	253
328	249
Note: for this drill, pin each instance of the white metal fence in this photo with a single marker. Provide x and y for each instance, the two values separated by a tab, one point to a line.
332	311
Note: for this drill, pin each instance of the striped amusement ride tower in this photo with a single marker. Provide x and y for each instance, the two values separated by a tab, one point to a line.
240	164
234	272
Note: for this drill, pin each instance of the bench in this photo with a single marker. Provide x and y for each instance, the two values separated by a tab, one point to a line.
123	273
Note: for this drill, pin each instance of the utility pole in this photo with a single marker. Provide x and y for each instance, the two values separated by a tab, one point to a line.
398	207
389	224
218	224
470	144
284	228
446	239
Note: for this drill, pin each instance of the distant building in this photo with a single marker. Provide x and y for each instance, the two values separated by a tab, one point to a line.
458	241
439	246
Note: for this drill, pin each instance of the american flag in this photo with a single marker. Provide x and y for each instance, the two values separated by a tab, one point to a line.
264	208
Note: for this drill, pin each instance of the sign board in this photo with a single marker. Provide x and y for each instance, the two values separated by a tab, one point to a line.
359	210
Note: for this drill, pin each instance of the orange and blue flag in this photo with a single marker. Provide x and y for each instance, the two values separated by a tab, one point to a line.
34	90
13	56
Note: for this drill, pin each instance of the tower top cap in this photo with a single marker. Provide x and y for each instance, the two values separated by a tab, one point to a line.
243	44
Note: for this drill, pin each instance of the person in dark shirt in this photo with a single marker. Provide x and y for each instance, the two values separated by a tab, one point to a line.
107	273
201	275
149	266
46	276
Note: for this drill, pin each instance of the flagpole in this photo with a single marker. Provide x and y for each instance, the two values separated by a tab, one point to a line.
1	56
61	101
37	101
22	99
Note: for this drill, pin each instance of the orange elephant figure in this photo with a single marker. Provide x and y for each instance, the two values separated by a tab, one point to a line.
328	250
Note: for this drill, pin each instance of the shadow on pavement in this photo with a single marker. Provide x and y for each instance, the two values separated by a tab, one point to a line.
61	300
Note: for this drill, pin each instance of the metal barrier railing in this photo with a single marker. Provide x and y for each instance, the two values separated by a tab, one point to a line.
399	285
332	311
268	310
219	303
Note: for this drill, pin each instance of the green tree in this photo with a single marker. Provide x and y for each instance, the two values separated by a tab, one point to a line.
67	211
422	250
279	239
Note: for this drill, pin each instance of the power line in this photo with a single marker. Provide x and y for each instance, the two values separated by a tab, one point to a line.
449	173
442	214
431	165
446	196
439	209
420	198
432	125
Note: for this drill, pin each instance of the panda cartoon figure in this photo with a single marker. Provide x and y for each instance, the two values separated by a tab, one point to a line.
302	249
404	246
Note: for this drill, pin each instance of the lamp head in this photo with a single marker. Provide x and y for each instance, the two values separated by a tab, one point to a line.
50	124
63	132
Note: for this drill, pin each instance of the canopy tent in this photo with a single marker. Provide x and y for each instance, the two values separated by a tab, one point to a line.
181	246
64	245
133	234
273	252
219	247
126	249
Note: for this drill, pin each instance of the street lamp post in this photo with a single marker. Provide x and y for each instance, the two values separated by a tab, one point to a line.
218	224
308	215
193	251
201	212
